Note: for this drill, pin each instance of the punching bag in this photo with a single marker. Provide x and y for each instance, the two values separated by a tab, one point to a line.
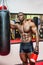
4	32
35	19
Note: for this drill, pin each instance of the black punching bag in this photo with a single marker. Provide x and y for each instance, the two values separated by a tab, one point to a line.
35	19
4	32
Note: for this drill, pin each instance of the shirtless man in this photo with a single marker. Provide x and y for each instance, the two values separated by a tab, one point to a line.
26	46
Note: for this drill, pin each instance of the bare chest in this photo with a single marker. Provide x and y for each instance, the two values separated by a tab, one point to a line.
25	28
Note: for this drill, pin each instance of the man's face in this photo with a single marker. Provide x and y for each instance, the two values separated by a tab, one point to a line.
21	17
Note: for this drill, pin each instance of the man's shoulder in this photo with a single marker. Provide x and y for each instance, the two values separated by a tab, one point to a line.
32	23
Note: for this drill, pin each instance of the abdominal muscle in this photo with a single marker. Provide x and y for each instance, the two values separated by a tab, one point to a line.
26	37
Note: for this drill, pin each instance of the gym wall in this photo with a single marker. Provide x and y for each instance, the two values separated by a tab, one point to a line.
38	20
26	6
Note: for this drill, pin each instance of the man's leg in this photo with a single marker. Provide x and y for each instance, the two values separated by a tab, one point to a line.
23	58
31	63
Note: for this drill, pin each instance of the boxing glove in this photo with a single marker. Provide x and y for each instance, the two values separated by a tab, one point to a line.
34	56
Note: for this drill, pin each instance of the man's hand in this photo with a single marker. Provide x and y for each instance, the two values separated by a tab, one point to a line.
37	49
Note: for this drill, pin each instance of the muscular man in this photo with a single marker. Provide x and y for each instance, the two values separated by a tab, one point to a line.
26	47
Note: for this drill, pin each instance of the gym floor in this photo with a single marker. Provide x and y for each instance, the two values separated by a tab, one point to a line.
13	57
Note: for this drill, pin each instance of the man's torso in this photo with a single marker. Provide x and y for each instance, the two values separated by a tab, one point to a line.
25	31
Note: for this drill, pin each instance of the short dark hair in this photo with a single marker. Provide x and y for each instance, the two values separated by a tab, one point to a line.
20	13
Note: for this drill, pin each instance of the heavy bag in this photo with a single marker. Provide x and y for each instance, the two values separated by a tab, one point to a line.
4	32
35	19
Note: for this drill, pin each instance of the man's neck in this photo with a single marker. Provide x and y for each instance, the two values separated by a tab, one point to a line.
22	22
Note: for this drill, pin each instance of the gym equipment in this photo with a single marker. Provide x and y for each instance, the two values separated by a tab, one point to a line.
4	31
35	19
33	57
41	33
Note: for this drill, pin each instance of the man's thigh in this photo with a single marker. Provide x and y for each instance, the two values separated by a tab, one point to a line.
23	57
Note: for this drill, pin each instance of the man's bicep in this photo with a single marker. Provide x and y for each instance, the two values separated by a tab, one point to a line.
34	29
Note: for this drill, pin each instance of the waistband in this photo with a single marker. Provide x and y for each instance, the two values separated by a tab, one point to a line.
27	42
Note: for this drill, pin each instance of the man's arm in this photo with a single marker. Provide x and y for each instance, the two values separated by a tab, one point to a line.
35	30
13	25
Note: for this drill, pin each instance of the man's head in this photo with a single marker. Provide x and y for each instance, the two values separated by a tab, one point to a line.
20	16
